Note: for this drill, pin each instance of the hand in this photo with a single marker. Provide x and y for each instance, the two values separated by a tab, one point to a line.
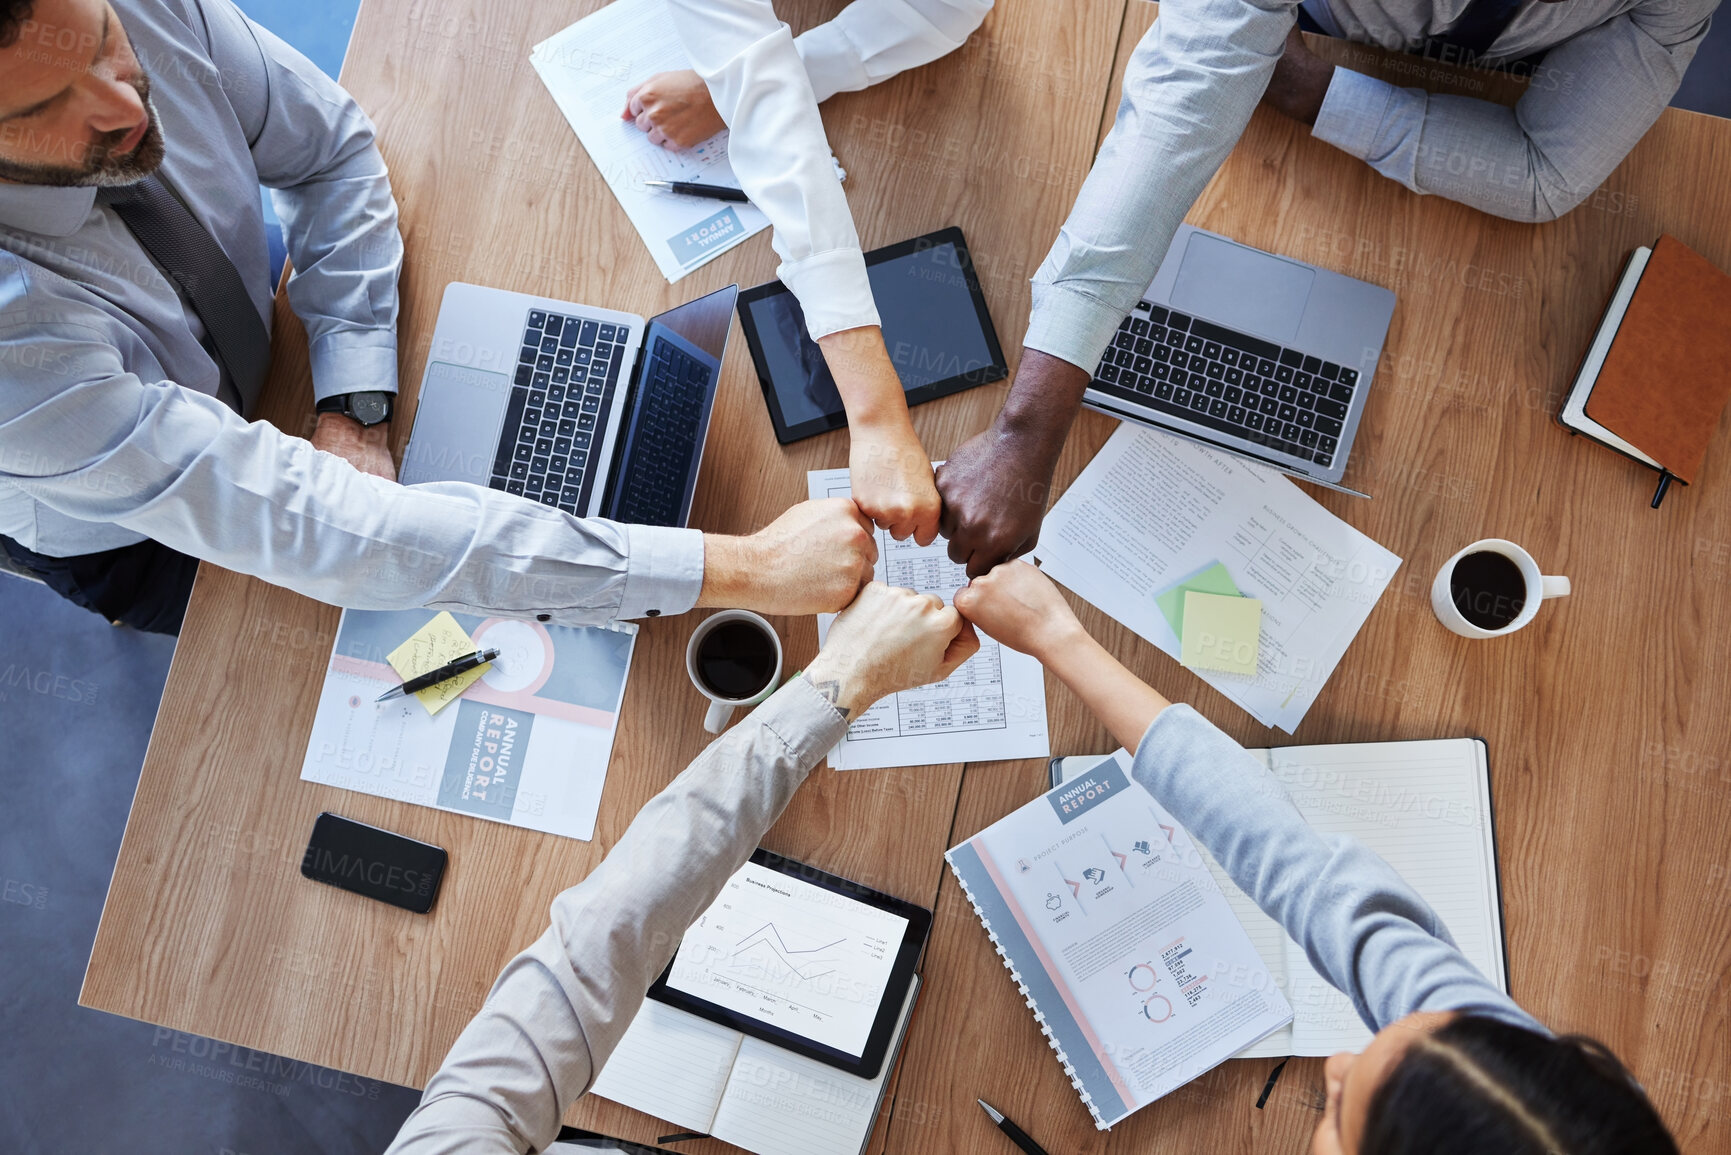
810	560
1300	81
674	108
892	481
366	447
994	487
1021	607
889	640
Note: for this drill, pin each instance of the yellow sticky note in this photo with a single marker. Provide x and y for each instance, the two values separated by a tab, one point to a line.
1221	633
430	647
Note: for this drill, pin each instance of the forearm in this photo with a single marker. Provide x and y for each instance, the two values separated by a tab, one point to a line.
1123	703
870	41
558	1010
871	392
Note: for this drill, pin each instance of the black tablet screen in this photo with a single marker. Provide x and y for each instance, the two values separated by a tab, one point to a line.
932	330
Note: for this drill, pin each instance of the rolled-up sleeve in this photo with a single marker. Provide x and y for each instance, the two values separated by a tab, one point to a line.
558	1009
92	441
781	155
1189	90
872	40
1586	105
314	149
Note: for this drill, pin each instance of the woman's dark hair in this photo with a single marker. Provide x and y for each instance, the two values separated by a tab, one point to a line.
13	13
1483	1086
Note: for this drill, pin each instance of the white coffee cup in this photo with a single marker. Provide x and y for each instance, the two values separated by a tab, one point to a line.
721	707
1537	588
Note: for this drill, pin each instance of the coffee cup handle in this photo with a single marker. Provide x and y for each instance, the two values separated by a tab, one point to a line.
1553	587
715	721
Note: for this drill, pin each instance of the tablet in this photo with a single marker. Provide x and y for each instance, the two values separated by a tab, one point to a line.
936	329
802	959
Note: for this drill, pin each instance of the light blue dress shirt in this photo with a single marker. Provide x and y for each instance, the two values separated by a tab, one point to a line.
1197	75
110	429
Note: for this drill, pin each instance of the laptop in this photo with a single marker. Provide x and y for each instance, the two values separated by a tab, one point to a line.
1263	356
589	410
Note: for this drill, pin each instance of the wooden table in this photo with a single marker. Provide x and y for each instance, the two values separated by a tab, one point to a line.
1609	737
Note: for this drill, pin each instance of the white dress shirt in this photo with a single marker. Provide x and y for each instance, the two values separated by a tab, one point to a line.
1197	75
767	85
110	430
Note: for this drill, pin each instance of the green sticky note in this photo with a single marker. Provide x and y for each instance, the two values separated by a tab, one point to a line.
1213	580
1221	633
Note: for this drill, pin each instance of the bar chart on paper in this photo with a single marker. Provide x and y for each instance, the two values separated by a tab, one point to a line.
791	954
993	707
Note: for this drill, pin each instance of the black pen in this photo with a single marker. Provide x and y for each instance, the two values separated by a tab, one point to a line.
444	673
715	192
1017	1136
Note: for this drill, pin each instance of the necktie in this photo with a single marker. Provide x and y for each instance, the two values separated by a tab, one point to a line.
187	252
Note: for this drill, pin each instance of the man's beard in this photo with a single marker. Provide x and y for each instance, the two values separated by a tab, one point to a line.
99	164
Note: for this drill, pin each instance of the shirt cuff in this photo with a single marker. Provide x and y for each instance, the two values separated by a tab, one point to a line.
663	571
831	64
806	722
1352	112
354	361
1071	325
833	291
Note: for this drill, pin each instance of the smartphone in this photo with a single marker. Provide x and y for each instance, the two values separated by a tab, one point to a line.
374	863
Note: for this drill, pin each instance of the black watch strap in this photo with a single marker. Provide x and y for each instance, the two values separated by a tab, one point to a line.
369	407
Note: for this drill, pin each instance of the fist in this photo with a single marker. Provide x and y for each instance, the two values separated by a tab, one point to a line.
1020	607
889	640
891	478
813	558
994	492
674	108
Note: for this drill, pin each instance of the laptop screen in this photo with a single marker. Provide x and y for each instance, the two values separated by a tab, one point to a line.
666	422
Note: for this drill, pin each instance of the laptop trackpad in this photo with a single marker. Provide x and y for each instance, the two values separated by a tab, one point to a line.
457	423
1242	288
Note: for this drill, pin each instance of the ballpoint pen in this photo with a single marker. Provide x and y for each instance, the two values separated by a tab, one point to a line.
1017	1136
715	192
444	673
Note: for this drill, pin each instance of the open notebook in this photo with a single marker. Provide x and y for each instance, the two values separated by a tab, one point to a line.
712	1079
1426	808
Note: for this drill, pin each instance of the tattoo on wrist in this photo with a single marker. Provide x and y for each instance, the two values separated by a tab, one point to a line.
830	689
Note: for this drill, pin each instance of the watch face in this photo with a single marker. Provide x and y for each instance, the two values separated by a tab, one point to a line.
369	408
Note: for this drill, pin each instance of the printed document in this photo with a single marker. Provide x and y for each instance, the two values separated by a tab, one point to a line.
588	68
1152	511
526	743
992	708
1140	977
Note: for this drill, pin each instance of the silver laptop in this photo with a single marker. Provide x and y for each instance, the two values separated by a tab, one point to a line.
1264	356
589	410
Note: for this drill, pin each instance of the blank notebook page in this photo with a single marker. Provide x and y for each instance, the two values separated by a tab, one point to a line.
670	1064
1425	808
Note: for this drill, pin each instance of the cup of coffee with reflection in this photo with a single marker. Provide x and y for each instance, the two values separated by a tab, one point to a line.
1491	588
734	659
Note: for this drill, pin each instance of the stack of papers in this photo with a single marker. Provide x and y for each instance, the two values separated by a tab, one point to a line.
1155	521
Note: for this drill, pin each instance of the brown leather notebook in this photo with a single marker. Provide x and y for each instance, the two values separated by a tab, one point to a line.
1666	376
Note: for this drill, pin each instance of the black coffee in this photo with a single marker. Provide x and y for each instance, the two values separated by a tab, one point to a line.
1488	589
736	659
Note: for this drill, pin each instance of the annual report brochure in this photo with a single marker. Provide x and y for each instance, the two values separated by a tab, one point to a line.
1133	963
527	743
1425	807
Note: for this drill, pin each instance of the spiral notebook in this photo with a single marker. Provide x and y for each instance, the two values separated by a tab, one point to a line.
1137	970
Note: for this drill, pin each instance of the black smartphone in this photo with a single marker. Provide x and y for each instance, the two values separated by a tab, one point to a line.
374	863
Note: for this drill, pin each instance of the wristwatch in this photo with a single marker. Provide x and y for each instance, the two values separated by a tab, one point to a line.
368	408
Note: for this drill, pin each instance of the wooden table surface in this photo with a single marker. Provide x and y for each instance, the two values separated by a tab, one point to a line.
1607	724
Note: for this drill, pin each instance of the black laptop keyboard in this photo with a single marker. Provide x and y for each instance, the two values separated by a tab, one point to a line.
559	401
1284	400
663	437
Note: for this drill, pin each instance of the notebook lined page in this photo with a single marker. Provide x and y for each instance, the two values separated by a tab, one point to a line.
1422	806
671	1064
780	1103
